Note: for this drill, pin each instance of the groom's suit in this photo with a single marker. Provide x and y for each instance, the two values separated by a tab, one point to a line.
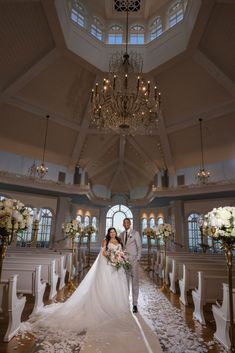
133	247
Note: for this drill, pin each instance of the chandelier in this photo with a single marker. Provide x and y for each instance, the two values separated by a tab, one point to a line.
125	102
202	174
42	169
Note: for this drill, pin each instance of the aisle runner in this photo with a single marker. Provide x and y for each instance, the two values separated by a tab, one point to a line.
167	321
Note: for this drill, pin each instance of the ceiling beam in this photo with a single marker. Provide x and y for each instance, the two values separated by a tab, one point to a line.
103	168
215	112
114	177
101	150
128	181
165	145
28	75
153	165
41	112
138	170
215	72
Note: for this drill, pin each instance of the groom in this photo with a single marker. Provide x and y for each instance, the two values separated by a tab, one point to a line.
132	244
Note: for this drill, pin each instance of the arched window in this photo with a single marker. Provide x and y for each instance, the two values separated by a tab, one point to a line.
137	34
155	28
2	197
95	225
160	220
176	12
45	228
144	224
79	218
86	221
115	216
77	14
97	28
152	222
115	35
26	235
193	232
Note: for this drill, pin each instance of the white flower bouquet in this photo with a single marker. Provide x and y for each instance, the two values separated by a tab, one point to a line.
71	228
164	230
149	232
220	223
14	216
118	259
88	230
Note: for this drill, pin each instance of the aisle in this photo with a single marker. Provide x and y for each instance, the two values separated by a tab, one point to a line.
168	322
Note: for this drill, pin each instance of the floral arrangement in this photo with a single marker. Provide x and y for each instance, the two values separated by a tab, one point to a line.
71	228
149	232
220	223
88	230
14	216
118	259
164	230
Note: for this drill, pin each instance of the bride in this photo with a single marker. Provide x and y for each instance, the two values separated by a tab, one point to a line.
98	310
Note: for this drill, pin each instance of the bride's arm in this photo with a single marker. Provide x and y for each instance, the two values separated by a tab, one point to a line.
104	252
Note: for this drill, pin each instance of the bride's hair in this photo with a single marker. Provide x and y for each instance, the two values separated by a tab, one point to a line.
108	237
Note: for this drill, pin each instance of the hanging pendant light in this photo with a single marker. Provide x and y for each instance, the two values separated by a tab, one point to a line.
202	174
42	169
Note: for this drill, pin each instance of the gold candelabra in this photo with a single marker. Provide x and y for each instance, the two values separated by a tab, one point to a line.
229	261
164	286
71	285
149	268
203	245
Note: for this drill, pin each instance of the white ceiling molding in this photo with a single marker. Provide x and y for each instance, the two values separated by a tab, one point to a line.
28	75
215	72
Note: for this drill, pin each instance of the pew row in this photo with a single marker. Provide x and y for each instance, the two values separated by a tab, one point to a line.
48	273
11	306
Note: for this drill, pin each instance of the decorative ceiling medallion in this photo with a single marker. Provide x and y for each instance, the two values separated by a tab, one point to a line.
121	5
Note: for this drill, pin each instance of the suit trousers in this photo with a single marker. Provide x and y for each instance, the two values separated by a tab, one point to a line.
133	279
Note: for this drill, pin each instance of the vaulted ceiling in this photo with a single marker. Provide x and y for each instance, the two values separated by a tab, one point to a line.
40	76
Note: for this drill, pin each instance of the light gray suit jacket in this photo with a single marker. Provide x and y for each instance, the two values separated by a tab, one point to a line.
133	245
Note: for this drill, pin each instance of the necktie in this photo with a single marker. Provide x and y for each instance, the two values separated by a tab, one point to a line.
126	238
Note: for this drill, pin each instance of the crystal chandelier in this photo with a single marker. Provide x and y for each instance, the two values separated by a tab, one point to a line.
125	102
202	174
42	169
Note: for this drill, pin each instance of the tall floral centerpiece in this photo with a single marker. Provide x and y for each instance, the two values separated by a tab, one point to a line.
72	231
150	234
219	224
164	231
14	218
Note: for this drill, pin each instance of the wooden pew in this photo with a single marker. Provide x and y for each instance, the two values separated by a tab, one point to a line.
11	306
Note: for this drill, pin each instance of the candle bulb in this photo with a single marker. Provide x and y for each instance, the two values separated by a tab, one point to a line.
126	82
148	89
159	99
92	95
155	93
104	82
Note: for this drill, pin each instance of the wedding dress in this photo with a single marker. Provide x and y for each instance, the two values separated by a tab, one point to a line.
95	315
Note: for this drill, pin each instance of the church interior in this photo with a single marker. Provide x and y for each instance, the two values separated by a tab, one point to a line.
114	109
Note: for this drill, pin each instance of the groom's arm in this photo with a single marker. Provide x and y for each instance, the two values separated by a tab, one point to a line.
138	245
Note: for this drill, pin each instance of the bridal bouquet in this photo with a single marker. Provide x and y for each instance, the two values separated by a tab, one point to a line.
118	258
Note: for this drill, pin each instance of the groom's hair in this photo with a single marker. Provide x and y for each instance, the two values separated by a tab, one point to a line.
127	219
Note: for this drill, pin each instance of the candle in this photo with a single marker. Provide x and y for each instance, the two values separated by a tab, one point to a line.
96	88
148	87
114	82
126	82
159	98
92	95
138	83
155	93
